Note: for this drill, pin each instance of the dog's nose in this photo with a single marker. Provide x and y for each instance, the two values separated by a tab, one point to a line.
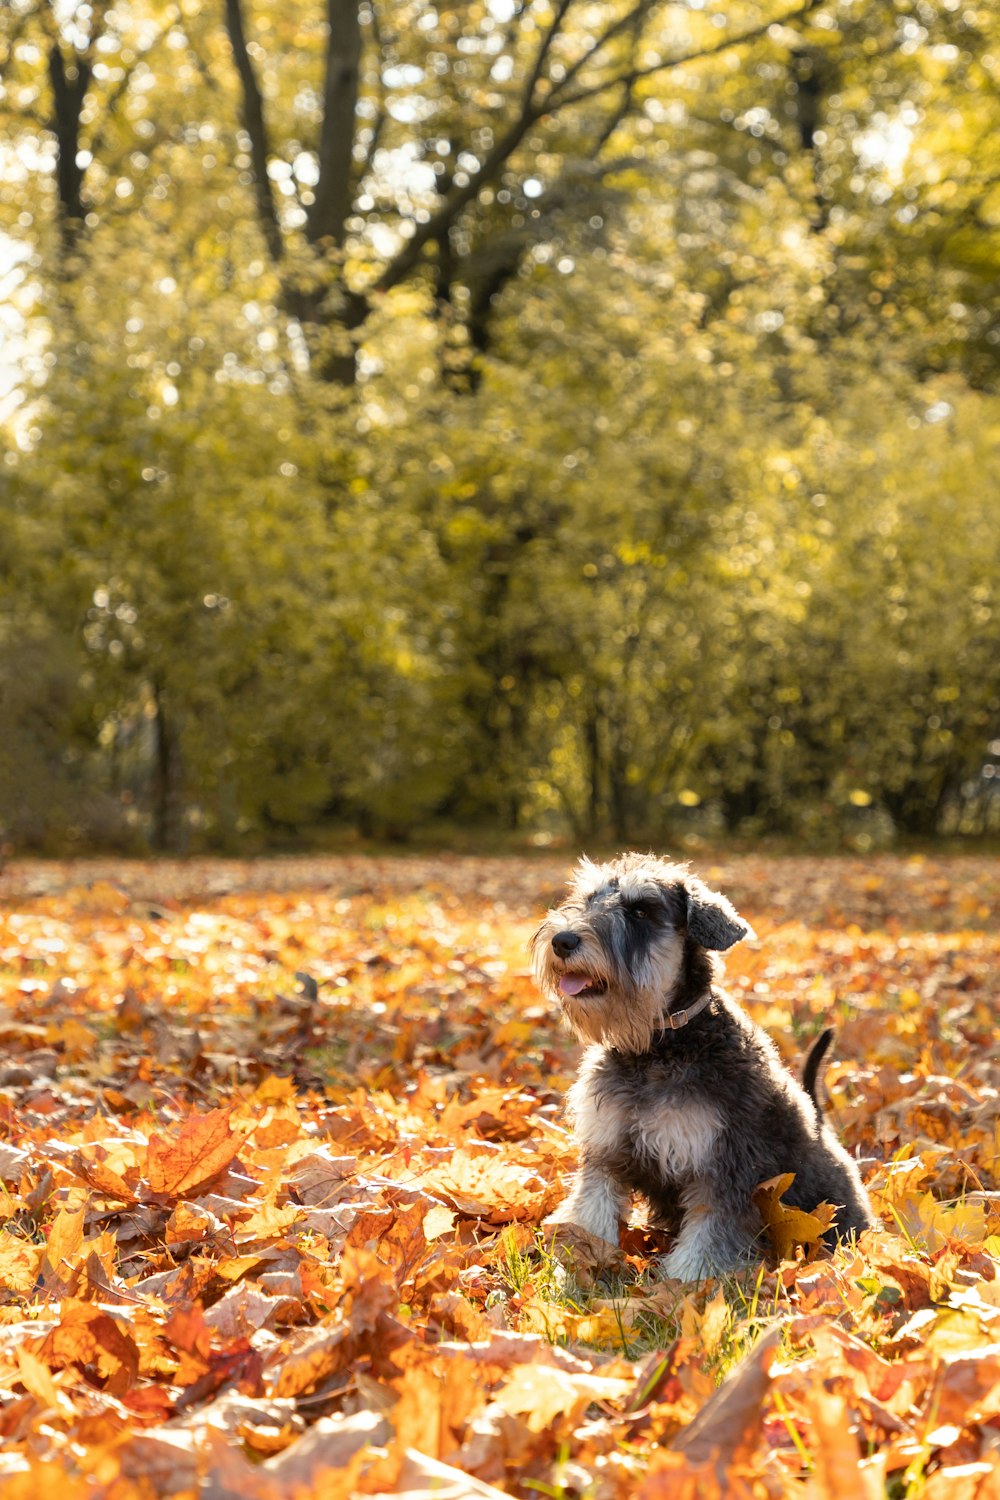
565	943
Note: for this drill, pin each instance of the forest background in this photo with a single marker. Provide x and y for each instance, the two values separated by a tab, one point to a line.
571	417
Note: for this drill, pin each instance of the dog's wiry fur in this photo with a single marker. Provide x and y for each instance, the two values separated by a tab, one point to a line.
692	1118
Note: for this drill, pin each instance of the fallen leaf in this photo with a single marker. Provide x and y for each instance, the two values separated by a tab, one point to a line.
787	1226
204	1147
837	1470
89	1339
539	1395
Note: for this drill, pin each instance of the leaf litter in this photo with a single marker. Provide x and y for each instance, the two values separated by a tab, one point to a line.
277	1141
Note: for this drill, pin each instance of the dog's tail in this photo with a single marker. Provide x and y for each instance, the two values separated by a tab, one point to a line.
813	1063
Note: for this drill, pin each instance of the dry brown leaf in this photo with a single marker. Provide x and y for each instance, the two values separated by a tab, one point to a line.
730	1420
90	1165
244	1309
967	1386
424	1478
488	1186
191	1221
65	1240
587	1254
36	1377
312	1359
20	1263
706	1327
436	1399
329	1444
89	1339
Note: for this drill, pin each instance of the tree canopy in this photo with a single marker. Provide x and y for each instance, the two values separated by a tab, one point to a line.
540	414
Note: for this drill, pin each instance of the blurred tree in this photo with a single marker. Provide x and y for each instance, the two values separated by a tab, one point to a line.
659	500
371	148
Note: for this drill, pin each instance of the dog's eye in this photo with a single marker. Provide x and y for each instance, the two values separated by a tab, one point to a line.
638	911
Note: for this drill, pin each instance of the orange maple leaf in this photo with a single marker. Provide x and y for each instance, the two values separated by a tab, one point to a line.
204	1148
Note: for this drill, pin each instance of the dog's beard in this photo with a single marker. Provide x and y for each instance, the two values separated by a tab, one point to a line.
612	1019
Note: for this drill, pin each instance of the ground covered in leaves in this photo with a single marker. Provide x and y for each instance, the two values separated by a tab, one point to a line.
276	1141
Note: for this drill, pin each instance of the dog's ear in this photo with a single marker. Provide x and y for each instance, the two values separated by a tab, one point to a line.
712	920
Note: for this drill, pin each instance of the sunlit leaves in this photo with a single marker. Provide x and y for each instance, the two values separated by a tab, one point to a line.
280	1220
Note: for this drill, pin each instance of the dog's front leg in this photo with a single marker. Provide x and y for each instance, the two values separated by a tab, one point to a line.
715	1236
596	1203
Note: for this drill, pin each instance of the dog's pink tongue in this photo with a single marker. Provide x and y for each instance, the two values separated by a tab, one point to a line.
572	984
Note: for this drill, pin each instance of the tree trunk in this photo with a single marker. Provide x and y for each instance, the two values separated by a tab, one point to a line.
69	87
593	760
327	214
166	779
327	309
329	316
618	796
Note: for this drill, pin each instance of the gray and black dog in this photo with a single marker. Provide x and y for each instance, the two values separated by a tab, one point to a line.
679	1096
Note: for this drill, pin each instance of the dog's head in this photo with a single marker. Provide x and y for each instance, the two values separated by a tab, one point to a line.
612	954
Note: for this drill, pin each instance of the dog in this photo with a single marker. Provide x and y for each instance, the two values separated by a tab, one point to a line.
679	1096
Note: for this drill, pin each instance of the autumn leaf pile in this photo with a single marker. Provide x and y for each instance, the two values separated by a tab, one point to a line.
276	1142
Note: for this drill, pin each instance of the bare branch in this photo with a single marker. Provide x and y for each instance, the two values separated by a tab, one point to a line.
383	112
615	117
531	112
256	129
458	197
625	104
635	75
440	222
629	20
555	26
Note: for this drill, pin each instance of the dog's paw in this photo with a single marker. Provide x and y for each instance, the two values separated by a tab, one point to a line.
698	1263
682	1264
595	1221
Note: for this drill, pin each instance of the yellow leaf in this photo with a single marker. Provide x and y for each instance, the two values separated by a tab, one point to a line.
65	1240
709	1327
512	1032
38	1381
438	1221
190	1222
268	1220
487	1186
787	1226
837	1470
940	1223
273	1089
540	1393
87	1337
75	1039
19	1264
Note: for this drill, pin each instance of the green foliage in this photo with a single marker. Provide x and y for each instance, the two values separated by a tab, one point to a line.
658	497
